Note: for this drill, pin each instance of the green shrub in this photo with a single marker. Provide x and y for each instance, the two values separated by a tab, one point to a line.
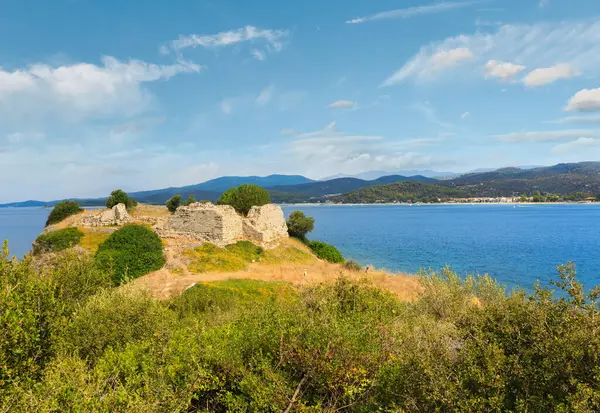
352	265
57	240
63	210
113	318
173	203
120	197
190	200
244	197
299	225
35	303
130	252
326	252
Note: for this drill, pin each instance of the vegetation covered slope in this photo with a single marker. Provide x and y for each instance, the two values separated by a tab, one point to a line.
401	192
70	342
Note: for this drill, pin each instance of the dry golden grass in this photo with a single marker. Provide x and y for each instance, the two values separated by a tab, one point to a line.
291	262
152	211
92	238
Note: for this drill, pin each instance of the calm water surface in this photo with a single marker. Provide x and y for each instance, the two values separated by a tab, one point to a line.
515	245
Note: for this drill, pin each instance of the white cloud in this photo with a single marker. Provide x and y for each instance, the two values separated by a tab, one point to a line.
547	75
547	136
502	70
543	3
451	57
274	40
329	152
578	143
258	54
541	45
343	104
265	95
84	89
585	100
414	11
465	115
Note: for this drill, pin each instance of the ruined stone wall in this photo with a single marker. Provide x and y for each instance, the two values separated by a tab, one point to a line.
117	215
265	225
221	225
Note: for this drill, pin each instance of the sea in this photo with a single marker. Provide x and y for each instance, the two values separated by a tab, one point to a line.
516	244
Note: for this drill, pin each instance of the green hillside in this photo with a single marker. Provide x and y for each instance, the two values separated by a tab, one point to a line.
401	192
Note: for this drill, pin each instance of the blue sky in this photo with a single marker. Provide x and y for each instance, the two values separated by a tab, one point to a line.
140	95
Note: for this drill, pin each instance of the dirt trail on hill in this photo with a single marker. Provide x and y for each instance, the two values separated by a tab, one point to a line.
164	283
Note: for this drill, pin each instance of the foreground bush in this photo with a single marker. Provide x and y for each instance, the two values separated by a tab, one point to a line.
244	197
130	252
326	252
57	240
63	210
34	306
347	346
299	225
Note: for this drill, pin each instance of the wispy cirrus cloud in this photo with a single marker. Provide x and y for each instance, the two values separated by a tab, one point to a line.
578	120
547	136
273	40
414	11
265	95
504	52
576	144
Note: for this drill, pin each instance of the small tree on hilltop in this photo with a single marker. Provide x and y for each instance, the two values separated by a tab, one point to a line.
190	200
120	197
173	203
299	225
244	197
63	210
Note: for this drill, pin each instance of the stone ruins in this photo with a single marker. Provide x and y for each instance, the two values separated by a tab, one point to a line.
221	225
117	215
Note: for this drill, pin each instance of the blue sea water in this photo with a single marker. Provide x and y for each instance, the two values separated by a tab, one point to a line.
517	245
21	226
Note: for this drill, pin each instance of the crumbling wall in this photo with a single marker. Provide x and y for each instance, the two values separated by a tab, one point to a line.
219	224
117	215
265	225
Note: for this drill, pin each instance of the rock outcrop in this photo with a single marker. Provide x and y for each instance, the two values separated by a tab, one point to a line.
221	225
117	215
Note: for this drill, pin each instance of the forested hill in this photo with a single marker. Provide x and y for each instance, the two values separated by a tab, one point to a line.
401	192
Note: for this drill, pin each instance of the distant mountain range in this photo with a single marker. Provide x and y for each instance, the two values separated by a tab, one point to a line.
561	179
371	175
